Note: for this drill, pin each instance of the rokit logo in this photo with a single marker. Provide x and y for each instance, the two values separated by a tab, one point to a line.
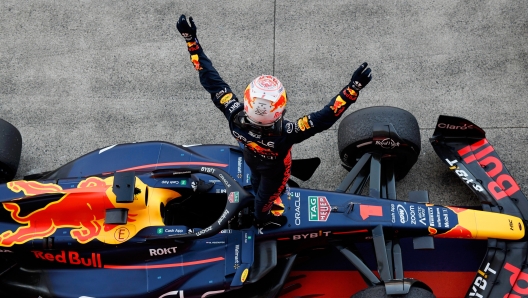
162	251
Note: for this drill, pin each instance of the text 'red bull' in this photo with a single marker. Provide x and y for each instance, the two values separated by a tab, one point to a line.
71	258
502	183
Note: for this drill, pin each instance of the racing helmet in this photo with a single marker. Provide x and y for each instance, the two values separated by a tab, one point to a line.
264	100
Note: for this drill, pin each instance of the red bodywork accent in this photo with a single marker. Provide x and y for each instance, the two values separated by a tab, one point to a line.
368	210
330	284
78	208
168	164
143	267
502	183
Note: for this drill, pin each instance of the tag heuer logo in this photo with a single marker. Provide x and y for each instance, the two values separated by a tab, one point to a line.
233	197
318	208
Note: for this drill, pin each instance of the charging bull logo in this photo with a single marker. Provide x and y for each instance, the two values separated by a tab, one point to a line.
192	46
280	103
83	209
196	62
339	106
248	100
278	207
32	188
260	150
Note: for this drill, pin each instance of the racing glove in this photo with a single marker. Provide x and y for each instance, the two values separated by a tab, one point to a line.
188	32
360	78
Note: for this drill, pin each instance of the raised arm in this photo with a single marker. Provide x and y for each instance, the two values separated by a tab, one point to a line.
323	119
221	93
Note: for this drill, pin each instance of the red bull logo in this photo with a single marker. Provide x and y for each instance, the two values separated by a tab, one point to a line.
278	207
32	188
260	150
248	100
339	106
192	46
280	103
80	211
83	209
195	61
502	184
350	93
518	281
71	258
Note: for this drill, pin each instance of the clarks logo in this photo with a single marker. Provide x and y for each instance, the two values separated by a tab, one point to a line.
452	126
70	257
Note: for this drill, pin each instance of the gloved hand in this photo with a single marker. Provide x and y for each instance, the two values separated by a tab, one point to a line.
360	78
188	32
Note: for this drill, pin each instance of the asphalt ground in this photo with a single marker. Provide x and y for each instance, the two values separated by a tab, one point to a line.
76	76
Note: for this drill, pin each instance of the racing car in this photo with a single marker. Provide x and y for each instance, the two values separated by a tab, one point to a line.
155	219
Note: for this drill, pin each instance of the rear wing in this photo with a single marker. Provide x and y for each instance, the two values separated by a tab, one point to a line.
463	146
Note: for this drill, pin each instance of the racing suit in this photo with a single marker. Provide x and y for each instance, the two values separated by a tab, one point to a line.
266	152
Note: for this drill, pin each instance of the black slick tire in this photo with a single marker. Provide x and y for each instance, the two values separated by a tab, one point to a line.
355	135
10	150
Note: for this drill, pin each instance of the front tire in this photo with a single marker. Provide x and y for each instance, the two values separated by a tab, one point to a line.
355	136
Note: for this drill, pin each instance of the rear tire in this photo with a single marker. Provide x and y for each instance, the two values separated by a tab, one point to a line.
10	150
379	292
355	133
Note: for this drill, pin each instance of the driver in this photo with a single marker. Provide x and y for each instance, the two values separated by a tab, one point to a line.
259	124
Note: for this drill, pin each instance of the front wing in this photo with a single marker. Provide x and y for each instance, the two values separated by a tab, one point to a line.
463	146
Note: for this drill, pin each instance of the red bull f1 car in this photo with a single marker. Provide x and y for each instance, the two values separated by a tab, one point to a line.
154	219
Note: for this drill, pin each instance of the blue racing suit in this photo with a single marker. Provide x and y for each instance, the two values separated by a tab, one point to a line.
267	152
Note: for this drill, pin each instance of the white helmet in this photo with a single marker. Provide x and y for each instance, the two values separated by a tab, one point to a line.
264	100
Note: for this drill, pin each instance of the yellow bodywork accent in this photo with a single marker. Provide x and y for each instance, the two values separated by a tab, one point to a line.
140	215
484	225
